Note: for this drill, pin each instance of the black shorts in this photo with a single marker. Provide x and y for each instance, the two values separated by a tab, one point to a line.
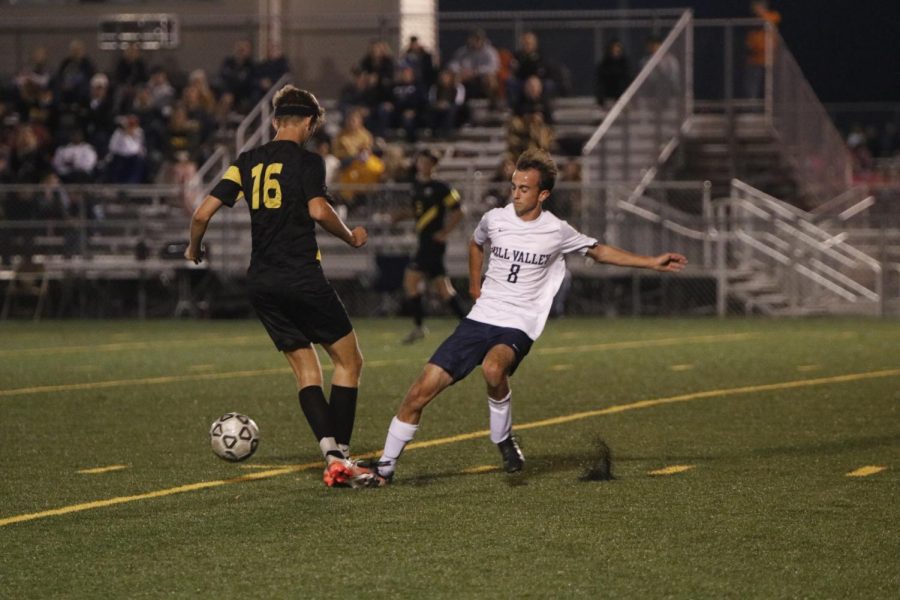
297	315
430	260
467	346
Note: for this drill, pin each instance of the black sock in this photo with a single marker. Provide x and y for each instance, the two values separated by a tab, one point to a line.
312	401
416	307
342	407
456	306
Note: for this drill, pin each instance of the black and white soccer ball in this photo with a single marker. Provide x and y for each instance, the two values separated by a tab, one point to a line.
234	437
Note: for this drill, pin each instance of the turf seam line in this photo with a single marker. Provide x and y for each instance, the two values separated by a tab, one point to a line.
847	378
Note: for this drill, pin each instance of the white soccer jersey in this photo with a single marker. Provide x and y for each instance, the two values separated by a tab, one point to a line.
526	267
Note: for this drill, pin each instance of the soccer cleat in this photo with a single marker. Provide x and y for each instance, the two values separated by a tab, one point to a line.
377	479
513	459
415	335
347	473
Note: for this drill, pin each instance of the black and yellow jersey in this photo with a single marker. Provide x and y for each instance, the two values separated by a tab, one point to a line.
431	202
277	180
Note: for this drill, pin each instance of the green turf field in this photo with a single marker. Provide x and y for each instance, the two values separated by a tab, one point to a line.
763	420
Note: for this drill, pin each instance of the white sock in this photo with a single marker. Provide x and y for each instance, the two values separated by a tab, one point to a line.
501	418
399	434
327	444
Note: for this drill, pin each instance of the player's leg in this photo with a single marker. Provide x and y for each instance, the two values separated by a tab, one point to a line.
348	362
414	302
308	372
499	364
445	291
432	381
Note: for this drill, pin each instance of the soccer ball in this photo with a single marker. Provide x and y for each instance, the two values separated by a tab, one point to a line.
234	437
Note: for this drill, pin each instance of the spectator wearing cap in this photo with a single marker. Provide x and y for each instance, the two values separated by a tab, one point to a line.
476	65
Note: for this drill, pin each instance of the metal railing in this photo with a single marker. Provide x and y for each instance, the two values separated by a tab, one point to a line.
787	262
807	135
256	129
642	128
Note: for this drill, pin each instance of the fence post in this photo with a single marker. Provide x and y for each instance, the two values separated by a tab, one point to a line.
708	224
721	277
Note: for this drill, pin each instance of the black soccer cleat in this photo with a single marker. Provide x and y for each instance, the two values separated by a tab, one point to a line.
513	459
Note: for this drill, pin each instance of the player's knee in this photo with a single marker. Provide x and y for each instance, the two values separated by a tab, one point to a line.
494	373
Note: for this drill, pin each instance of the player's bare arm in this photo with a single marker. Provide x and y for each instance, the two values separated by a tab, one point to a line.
476	261
199	222
453	219
667	262
323	214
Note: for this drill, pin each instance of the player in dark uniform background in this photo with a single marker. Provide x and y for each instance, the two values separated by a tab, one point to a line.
284	188
436	207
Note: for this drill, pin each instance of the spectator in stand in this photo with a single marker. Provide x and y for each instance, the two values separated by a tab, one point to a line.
755	68
74	75
446	100
378	65
205	98
75	161
498	188
664	84
28	161
421	61
238	77
332	162
476	65
129	74
197	110
527	62
408	101
534	100
358	95
128	152
98	117
529	131
38	106
162	94
185	135
37	72
269	71
613	74
359	165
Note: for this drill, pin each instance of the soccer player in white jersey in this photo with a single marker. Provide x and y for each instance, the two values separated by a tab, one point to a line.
527	246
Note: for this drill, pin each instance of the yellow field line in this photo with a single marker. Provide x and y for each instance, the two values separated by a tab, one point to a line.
672	470
120	346
848	378
97	470
92	385
481	469
866	471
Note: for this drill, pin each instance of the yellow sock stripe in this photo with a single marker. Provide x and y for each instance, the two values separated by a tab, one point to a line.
459	438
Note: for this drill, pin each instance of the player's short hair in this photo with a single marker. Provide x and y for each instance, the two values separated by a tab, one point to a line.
542	162
292	102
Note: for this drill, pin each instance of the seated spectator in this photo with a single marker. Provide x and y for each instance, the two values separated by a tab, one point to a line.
197	110
408	100
127	152
38	106
526	62
354	139
129	74
238	77
74	75
528	131
37	72
665	81
184	135
269	71
446	100
162	94
498	188
476	65
421	62
75	161
358	95
332	162
566	202
613	75
378	66
533	99
28	161
98	117
199	84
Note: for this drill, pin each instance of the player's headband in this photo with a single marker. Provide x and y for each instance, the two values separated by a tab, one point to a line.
296	110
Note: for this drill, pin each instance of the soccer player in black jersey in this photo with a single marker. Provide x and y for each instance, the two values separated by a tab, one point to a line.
436	207
283	185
